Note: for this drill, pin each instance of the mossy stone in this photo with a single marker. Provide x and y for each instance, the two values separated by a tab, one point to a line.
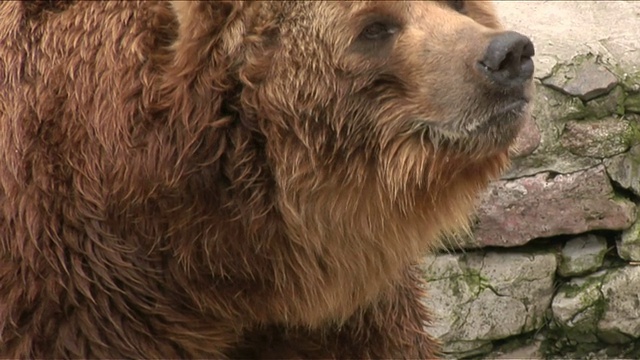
598	138
632	103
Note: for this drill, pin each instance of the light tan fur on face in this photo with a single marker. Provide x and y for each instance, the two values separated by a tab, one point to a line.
357	189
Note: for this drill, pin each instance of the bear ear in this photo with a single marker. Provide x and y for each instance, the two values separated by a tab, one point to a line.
209	34
205	19
197	75
485	14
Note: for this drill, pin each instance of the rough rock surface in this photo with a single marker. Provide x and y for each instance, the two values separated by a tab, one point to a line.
517	211
629	244
480	297
577	307
572	137
611	103
602	306
552	109
582	255
632	103
530	350
586	80
624	169
606	28
620	321
598	139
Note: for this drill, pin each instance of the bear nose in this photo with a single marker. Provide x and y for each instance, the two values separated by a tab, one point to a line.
507	60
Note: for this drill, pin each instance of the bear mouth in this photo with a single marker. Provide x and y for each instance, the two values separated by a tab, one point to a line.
510	114
495	129
516	106
500	131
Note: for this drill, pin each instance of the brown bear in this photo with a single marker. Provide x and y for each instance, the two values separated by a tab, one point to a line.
241	179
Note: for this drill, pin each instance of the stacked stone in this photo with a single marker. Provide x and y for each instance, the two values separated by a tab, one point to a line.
552	262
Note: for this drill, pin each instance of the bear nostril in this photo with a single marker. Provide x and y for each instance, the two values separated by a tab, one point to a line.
507	60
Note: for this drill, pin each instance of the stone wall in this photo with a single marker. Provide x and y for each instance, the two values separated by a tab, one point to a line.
552	268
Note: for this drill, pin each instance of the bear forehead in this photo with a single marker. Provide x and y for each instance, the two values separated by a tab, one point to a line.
337	23
307	14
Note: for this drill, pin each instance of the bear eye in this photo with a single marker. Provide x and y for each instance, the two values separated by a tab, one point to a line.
378	31
457	5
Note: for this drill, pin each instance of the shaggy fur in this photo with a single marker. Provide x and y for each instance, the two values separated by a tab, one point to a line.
221	179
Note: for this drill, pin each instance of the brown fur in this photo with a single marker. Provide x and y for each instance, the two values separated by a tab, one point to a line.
233	179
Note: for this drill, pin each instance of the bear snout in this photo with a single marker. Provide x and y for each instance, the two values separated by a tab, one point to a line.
507	62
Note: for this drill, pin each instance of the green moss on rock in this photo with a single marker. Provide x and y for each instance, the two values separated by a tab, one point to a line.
624	169
578	306
610	104
582	255
585	76
629	244
632	103
630	81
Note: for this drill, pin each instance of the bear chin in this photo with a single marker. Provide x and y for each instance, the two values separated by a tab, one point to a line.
494	135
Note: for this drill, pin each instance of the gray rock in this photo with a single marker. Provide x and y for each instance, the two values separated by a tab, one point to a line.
598	139
632	102
577	307
606	28
629	244
631	79
610	104
488	296
624	169
532	349
465	349
517	211
559	106
525	277
494	317
583	77
620	321
450	289
550	112
582	255
443	266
